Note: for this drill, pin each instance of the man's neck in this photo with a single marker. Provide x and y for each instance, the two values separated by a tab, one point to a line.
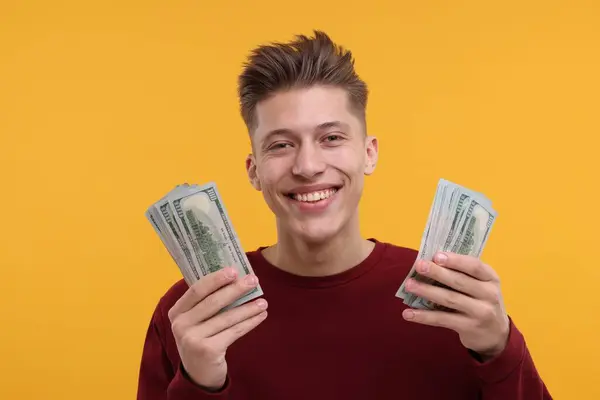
342	252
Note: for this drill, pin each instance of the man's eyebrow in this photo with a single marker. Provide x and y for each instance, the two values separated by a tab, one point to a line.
320	127
280	131
332	124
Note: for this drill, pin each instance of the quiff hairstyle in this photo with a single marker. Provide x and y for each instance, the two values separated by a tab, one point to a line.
300	63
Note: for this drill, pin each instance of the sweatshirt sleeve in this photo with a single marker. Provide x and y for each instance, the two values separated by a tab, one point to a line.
512	374
158	380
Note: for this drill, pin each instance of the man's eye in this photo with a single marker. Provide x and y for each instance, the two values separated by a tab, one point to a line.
278	146
332	138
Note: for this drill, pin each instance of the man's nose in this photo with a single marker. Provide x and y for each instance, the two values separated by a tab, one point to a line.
309	162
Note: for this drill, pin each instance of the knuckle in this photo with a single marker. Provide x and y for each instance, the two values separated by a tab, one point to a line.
211	302
219	277
493	294
230	318
495	277
198	345
435	321
477	268
196	288
238	330
186	340
434	270
471	326
486	314
177	328
458	282
496	295
242	284
202	348
420	316
171	314
452	299
222	277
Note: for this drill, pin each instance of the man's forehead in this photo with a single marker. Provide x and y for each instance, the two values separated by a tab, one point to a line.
303	111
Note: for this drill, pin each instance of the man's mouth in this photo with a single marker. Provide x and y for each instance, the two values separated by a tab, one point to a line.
314	196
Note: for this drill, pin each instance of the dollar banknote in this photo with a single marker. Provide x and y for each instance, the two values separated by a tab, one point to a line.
193	224
459	221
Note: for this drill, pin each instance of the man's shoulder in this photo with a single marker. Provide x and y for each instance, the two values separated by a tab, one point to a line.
397	252
173	293
397	258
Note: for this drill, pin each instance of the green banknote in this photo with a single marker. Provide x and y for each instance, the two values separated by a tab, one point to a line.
459	221
193	224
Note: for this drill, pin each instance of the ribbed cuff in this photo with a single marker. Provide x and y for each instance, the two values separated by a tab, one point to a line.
499	367
183	388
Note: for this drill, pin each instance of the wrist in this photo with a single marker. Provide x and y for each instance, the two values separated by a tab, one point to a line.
211	388
496	350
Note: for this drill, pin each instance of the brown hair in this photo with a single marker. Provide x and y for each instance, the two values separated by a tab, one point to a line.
299	63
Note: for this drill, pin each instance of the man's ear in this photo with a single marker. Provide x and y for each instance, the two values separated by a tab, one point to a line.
252	173
372	154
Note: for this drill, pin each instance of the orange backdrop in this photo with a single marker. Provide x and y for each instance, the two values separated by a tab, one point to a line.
105	106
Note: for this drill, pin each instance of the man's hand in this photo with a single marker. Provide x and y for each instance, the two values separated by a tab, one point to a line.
480	318
202	335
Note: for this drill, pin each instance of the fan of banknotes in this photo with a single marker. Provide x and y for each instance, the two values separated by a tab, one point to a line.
194	226
459	221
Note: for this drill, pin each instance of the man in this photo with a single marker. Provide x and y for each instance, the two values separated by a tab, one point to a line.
334	328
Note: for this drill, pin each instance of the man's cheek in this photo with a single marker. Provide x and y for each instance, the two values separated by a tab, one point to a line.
345	159
263	175
269	185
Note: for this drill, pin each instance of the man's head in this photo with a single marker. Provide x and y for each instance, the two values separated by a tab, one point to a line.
304	106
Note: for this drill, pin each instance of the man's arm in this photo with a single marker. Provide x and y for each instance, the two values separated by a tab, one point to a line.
512	374
505	366
158	380
186	342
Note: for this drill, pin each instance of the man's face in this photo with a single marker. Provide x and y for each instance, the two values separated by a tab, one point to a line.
310	157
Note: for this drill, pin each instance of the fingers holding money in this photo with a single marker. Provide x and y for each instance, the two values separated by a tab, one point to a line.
459	281
443	296
470	288
443	319
206	300
227	327
221	298
225	338
469	265
202	289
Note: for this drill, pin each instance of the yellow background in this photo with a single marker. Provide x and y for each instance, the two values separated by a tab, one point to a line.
105	106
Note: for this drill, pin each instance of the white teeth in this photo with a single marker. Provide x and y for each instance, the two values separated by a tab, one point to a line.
314	196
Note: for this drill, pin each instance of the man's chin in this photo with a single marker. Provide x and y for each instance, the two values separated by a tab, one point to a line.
315	235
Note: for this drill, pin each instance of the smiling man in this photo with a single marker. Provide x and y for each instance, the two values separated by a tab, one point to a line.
335	329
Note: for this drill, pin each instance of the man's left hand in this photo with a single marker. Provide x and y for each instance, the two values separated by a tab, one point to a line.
480	318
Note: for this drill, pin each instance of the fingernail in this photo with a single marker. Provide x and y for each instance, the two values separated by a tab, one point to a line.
229	272
261	303
441	258
423	267
250	280
408	314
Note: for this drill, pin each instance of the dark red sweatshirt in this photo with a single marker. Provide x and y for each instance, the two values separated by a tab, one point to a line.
341	337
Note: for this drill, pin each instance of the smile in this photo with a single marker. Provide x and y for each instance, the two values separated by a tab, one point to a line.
314	196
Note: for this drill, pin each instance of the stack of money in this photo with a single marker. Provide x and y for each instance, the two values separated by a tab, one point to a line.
459	221
194	226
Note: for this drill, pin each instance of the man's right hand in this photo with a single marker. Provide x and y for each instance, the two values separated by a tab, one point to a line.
202	335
